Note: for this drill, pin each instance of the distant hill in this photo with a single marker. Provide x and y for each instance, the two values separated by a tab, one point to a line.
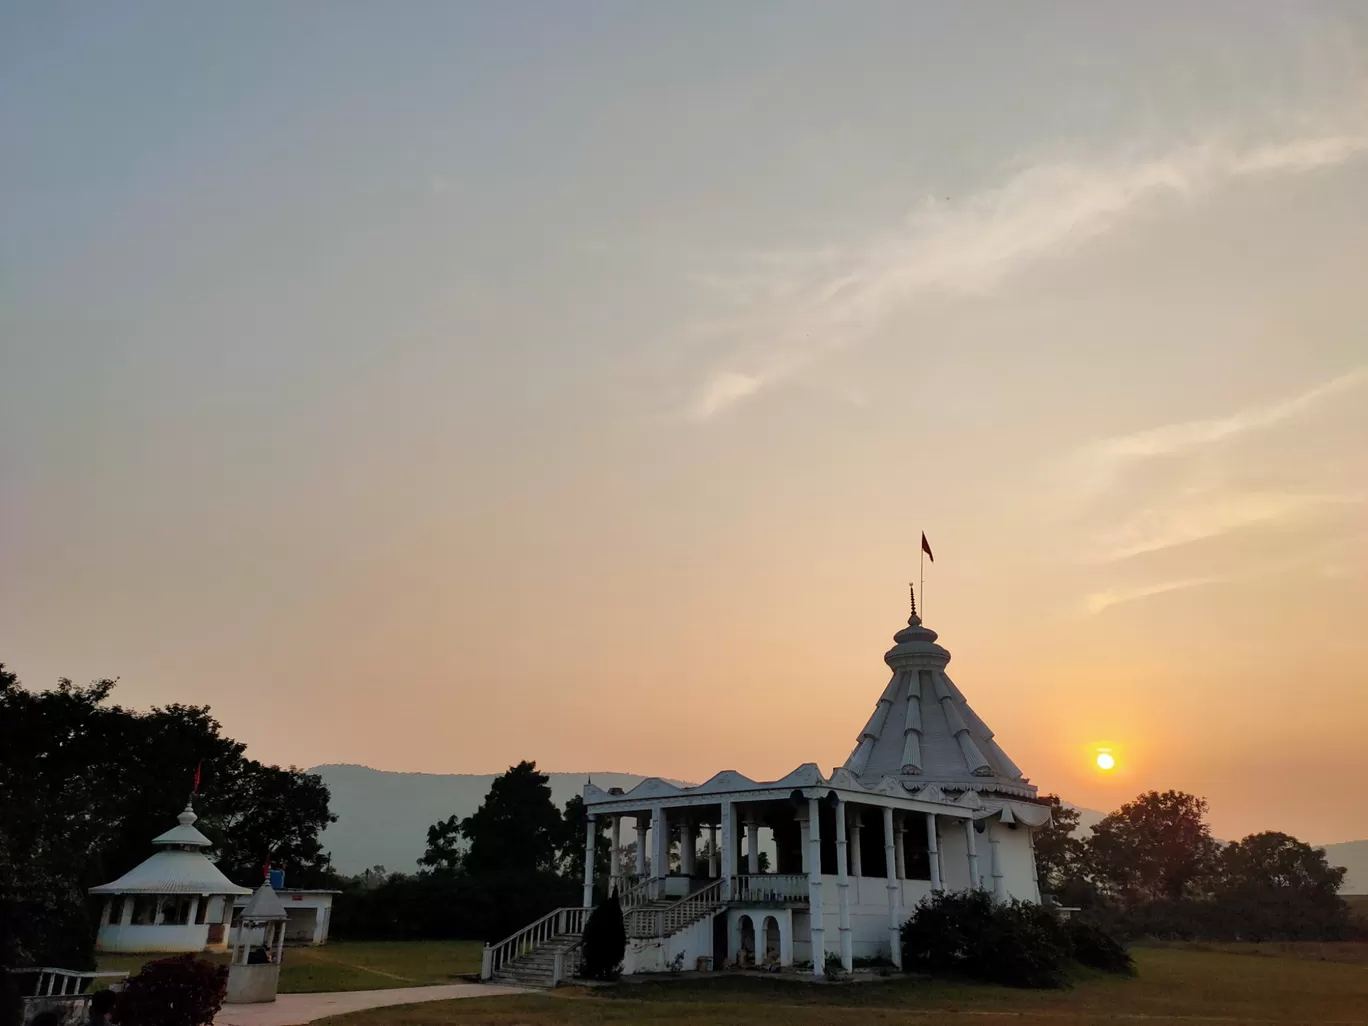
382	817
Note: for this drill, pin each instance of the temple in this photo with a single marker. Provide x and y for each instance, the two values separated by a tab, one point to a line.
810	868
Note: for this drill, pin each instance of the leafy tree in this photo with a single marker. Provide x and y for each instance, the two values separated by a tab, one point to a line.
85	785
574	821
1272	885
444	854
1058	852
1155	847
517	828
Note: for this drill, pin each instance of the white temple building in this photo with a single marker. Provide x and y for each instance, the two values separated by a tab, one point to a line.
175	900
927	801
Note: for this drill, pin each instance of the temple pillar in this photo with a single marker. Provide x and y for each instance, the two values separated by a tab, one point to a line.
752	846
933	852
640	849
815	889
590	836
843	888
728	848
615	863
890	868
856	859
900	847
714	863
995	867
974	882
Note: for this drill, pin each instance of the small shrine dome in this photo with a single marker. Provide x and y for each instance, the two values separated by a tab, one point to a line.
175	900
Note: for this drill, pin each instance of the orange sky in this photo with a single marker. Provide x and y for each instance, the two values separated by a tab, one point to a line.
441	394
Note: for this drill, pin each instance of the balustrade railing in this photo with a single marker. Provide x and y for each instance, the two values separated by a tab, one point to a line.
559	923
789	887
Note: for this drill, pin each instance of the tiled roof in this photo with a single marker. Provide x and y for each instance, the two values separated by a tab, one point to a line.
922	730
172	872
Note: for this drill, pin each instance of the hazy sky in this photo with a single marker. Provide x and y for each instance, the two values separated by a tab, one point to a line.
435	385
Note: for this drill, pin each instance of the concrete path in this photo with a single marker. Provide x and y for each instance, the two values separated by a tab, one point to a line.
297	1009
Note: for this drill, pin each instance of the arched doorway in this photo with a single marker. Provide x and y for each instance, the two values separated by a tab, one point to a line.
745	928
768	952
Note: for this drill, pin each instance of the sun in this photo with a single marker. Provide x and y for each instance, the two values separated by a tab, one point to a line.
1105	761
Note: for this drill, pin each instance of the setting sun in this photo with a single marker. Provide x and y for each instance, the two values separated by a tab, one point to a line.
1105	761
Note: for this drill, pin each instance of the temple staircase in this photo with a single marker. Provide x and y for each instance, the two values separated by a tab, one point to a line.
547	952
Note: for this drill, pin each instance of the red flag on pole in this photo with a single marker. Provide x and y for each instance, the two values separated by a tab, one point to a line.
198	766
926	547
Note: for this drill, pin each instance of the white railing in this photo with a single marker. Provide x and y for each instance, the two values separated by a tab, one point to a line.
789	887
559	923
694	907
65	982
637	894
662	921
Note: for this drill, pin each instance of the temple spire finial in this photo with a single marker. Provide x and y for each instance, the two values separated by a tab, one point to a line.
912	599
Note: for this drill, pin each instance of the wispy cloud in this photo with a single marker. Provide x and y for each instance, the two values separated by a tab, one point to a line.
1198	517
794	307
1172	438
1100	600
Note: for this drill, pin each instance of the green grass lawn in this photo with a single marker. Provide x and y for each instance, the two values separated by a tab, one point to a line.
355	965
1174	986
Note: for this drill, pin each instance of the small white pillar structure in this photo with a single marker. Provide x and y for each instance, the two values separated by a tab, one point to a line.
253	980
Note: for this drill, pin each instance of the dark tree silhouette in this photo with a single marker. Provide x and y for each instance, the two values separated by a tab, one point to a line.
1155	847
517	828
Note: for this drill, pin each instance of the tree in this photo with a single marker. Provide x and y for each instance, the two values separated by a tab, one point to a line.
1058	852
85	785
517	828
1272	885
443	854
574	821
1155	847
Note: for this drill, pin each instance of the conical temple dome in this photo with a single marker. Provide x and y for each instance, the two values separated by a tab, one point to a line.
923	731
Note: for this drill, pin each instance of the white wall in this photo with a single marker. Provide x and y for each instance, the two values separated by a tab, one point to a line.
129	938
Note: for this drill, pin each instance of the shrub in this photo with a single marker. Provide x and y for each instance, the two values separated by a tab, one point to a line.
179	991
966	932
605	942
1095	947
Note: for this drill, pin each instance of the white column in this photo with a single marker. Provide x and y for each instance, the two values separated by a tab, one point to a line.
752	847
641	849
127	918
995	866
803	839
660	849
615	863
933	852
890	869
728	848
194	909
688	847
843	888
714	862
899	848
815	889
590	835
974	882
856	864
108	907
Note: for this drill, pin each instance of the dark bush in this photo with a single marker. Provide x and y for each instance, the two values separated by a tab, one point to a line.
179	991
605	942
1096	948
967	933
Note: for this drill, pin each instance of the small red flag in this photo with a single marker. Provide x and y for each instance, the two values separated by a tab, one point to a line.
926	547
198	766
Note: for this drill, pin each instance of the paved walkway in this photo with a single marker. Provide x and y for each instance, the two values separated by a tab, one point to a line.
297	1009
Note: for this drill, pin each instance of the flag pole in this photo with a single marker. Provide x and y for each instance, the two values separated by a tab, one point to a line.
923	578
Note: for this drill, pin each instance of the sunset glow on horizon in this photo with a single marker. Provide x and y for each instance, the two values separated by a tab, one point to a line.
574	383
